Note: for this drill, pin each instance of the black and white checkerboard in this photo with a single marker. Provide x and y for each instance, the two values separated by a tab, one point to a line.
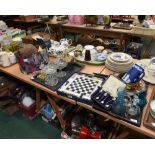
80	86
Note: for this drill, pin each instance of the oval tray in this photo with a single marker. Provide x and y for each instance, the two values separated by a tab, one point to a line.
90	62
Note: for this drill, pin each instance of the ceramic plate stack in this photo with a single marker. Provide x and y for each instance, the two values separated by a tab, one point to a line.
119	62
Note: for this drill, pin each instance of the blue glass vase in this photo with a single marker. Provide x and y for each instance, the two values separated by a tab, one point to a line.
118	106
142	99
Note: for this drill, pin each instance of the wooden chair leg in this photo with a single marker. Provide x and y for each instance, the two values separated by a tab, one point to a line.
57	111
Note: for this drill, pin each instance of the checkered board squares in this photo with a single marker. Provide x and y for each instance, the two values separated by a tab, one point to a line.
81	86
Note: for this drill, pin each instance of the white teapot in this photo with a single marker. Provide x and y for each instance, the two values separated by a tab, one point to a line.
65	42
60	50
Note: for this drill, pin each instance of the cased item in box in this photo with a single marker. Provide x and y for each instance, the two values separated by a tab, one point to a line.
102	98
30	111
80	86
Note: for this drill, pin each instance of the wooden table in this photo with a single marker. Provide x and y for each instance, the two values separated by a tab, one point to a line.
28	24
15	72
122	34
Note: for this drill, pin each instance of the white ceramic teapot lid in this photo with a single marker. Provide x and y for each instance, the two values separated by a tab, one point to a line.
89	47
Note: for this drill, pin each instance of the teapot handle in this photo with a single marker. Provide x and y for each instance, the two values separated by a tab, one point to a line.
69	41
61	40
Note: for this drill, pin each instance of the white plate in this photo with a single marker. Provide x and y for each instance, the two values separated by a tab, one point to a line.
148	76
120	57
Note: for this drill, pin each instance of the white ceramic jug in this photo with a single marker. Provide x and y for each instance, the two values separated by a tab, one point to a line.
4	59
12	58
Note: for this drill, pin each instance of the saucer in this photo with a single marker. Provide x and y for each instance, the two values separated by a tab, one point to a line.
152	114
152	108
101	57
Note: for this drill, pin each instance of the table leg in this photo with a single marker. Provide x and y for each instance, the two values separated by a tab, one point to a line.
57	111
38	99
113	130
61	31
121	41
116	131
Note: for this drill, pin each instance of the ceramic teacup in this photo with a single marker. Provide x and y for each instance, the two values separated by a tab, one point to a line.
135	74
99	48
